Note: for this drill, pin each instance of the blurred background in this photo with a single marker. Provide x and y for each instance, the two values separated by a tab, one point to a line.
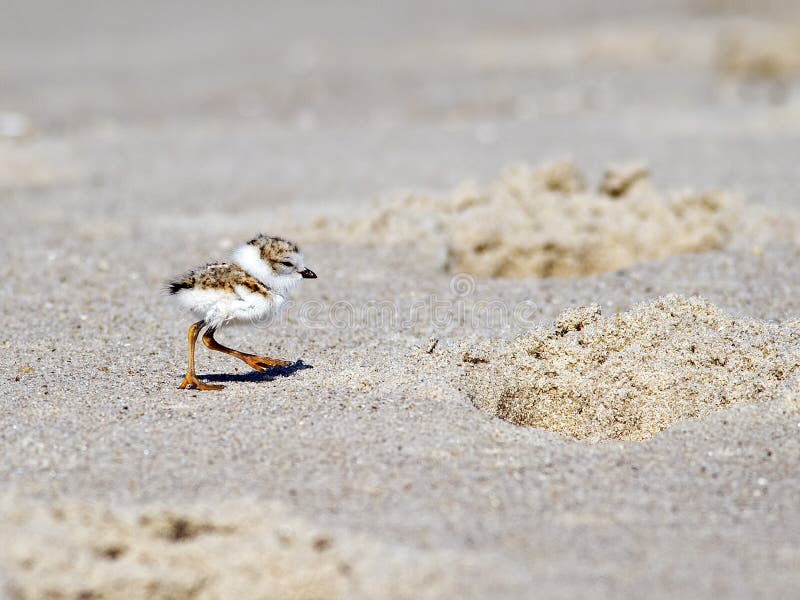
320	64
196	111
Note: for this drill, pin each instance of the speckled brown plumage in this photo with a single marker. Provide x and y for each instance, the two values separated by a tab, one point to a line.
271	247
221	276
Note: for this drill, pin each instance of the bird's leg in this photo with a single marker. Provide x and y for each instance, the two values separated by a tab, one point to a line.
259	363
190	379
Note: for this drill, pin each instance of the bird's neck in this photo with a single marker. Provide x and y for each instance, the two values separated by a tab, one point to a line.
249	259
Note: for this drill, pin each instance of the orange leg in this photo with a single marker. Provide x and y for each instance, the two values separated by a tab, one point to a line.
190	379
259	363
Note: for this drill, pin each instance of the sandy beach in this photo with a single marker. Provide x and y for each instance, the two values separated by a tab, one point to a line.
553	349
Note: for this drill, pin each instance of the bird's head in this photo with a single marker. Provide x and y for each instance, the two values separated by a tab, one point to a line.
276	262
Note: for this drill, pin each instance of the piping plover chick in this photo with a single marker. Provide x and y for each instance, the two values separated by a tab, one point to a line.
252	288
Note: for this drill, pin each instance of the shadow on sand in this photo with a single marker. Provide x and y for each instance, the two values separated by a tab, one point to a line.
255	376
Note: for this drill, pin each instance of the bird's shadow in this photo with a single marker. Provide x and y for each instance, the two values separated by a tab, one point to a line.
256	376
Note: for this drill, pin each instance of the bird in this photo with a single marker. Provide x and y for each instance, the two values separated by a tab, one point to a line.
253	287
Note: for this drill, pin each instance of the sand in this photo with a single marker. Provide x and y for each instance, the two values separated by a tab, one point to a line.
631	375
30	163
542	222
760	51
145	140
242	550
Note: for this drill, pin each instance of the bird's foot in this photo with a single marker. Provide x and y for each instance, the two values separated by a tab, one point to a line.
262	363
193	381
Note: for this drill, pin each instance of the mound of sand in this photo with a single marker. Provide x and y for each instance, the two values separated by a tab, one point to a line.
81	551
631	375
544	223
761	51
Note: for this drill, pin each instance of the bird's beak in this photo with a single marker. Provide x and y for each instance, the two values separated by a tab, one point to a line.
308	274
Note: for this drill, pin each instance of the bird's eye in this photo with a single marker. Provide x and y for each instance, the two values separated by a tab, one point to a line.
286	263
